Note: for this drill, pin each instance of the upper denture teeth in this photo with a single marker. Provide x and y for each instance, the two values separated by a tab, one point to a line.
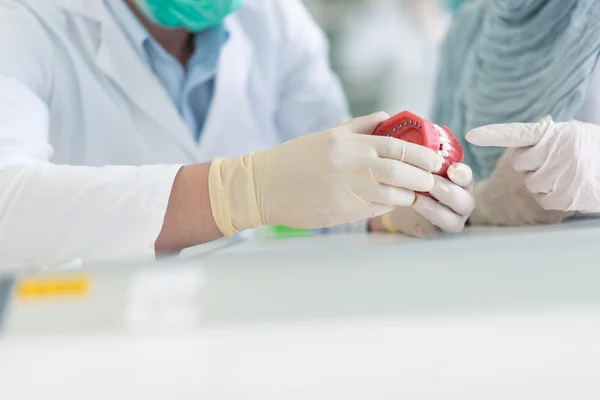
441	131
444	140
445	153
446	146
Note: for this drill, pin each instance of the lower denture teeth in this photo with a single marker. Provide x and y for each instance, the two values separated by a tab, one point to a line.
445	153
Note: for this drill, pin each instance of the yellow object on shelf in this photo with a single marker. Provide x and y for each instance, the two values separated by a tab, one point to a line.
42	288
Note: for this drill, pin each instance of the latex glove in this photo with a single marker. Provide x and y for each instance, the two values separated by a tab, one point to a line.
428	217
560	161
320	180
503	199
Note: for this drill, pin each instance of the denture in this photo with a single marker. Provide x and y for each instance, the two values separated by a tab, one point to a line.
414	129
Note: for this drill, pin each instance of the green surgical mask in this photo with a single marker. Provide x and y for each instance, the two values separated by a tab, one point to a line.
193	15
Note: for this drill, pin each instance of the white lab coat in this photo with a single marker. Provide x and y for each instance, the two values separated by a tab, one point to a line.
90	142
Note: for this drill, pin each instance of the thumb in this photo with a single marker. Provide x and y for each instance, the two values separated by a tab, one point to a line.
366	125
509	135
460	174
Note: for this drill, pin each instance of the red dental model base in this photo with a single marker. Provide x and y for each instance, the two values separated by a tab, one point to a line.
414	129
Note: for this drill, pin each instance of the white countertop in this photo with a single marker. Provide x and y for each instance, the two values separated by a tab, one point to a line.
489	314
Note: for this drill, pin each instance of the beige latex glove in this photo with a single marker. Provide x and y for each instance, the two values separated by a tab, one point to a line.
448	213
320	180
504	200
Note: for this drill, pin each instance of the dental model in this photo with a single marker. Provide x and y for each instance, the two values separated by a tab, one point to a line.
414	129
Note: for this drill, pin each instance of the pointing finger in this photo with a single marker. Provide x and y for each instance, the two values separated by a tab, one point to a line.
508	135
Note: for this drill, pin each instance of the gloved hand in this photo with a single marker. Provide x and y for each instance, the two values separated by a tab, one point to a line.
550	172
320	180
428	217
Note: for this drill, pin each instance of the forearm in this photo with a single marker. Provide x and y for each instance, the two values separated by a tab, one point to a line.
376	225
188	219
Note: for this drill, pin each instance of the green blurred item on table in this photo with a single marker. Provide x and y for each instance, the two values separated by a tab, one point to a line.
280	231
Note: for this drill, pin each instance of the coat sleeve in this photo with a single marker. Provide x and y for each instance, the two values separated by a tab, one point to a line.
311	98
55	214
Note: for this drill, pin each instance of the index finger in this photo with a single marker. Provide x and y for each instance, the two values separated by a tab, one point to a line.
506	135
366	125
410	153
453	196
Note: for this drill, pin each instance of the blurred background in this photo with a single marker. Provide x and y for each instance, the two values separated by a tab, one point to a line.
384	51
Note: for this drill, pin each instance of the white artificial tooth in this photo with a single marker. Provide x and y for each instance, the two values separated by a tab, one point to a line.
441	131
444	140
446	146
440	153
445	153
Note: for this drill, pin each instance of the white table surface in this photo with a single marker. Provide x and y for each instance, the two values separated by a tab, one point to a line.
483	315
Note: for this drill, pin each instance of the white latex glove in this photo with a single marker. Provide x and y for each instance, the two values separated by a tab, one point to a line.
503	199
560	161
320	180
428	217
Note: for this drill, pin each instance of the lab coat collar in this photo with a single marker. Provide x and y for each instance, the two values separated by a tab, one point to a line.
120	62
230	101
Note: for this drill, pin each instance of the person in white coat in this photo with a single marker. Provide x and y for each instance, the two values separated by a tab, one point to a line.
123	122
